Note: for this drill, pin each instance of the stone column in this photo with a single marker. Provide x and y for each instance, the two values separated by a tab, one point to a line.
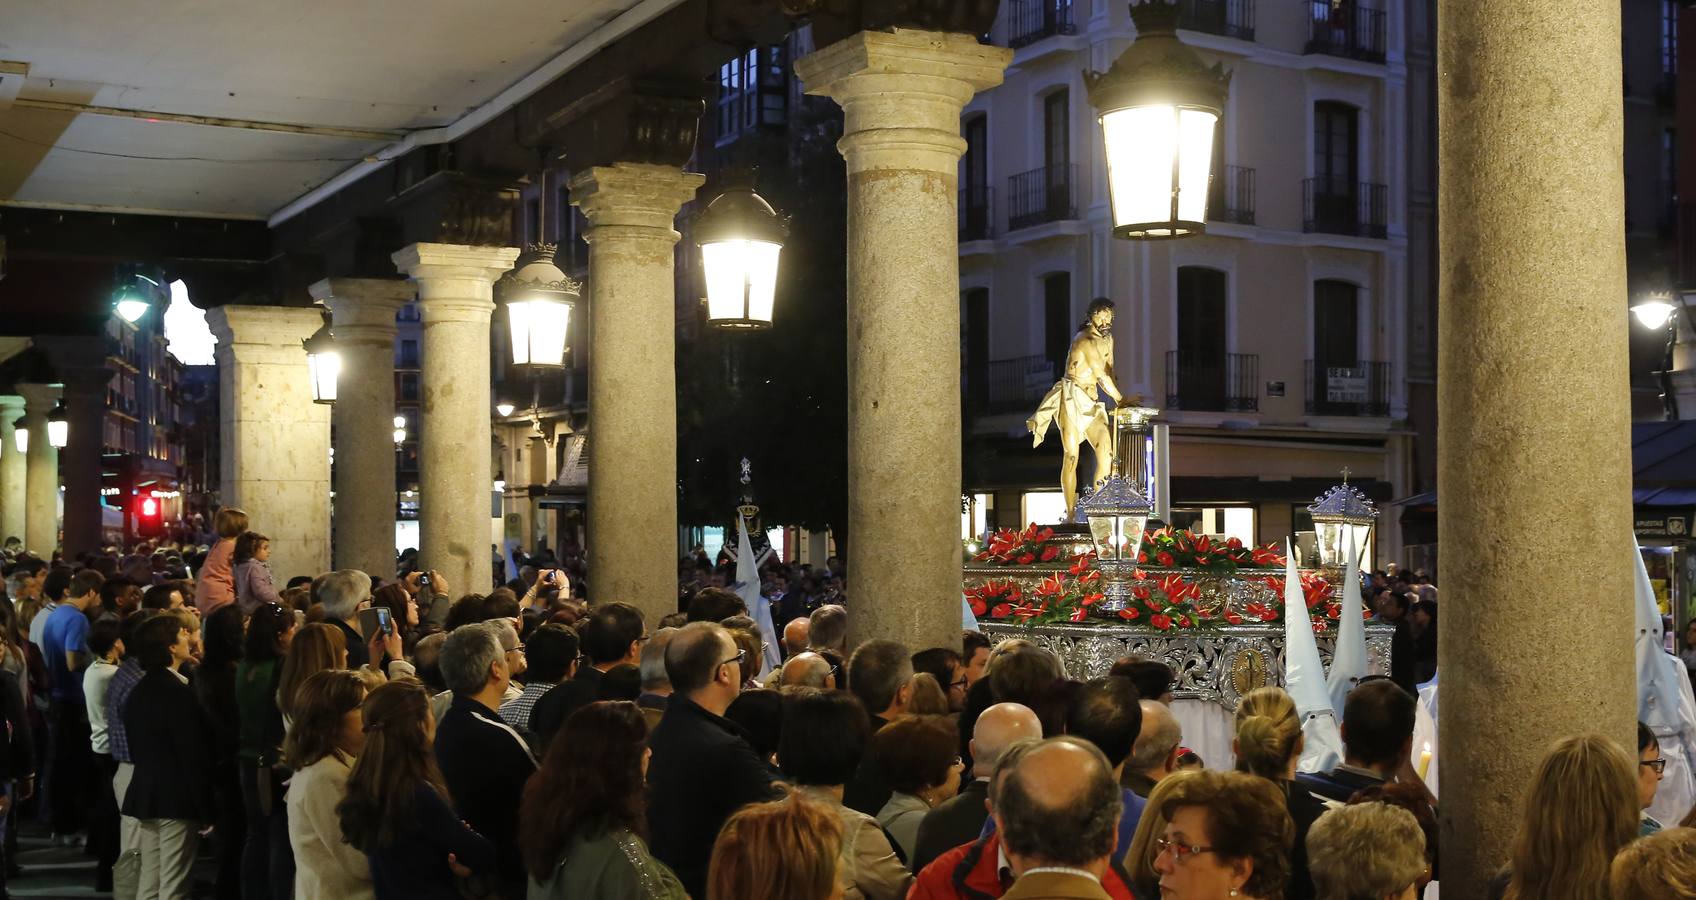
274	441
12	470
362	320
1533	434
456	294
633	381
41	492
901	94
85	405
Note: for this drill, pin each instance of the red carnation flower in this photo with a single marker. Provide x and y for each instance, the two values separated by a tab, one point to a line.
1162	622
1232	618
1078	615
1165	559
1142	557
1233	543
1026	559
1001	611
1049	552
1128	614
978	606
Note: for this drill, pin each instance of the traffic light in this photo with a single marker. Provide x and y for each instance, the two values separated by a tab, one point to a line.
149	522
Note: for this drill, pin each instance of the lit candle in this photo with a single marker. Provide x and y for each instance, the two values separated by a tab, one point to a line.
1424	760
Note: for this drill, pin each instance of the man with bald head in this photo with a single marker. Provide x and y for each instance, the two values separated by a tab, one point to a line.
806	670
960	820
1057	809
796	635
1155	754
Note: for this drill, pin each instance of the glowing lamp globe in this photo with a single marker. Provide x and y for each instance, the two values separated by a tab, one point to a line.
20	435
741	238
130	308
1655	311
1339	511
538	298
58	427
323	363
1159	106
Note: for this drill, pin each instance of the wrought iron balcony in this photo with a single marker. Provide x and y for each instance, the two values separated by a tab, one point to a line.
1230	197
1230	18
1339	206
1362	389
1221	382
1048	194
1029	21
977	212
1345	28
1008	385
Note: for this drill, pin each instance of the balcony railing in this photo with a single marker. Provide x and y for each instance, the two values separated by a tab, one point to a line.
1231	18
1048	194
1230	197
1225	382
1029	21
1008	385
1345	28
977	212
1338	206
1358	390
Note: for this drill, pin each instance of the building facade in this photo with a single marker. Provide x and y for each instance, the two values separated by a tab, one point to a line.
1274	345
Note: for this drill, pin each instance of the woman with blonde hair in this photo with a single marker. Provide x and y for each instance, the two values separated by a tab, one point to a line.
1226	835
1657	867
1368	850
1581	809
1269	744
786	848
216	584
1151	828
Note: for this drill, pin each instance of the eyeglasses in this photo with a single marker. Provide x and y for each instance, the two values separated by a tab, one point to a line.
1659	764
1181	853
957	684
740	658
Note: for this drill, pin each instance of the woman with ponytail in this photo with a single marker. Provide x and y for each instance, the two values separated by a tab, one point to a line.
1269	744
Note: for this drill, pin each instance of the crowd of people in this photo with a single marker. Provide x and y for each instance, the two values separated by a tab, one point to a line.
346	736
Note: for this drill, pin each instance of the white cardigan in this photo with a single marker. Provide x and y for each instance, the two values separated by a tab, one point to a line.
324	864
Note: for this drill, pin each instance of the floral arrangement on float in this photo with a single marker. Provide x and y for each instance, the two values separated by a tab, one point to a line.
1183	581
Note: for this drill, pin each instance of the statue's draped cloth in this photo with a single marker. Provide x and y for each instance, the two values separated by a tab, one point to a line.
1079	405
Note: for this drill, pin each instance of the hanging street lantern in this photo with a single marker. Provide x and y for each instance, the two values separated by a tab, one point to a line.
58	426
741	238
400	430
323	363
1159	106
1342	509
1117	514
538	298
20	435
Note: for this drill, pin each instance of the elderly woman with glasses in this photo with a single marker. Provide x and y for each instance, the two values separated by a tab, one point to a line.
1227	835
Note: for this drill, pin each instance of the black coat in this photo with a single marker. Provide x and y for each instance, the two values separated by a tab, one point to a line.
17	747
171	744
558	704
703	769
869	789
485	764
958	820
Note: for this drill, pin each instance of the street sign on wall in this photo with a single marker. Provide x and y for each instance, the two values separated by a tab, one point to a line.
1345	384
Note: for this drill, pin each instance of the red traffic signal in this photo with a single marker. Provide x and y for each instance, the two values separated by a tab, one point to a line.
149	522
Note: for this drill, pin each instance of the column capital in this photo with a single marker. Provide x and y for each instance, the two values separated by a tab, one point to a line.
901	93
455	281
39	398
271	332
363	309
634	194
11	403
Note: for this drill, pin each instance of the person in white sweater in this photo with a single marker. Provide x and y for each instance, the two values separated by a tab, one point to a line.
327	736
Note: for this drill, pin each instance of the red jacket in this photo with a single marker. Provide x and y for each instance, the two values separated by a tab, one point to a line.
968	872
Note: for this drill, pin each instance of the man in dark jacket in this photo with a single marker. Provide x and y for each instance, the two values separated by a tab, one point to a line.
170	741
703	766
611	636
483	760
881	674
